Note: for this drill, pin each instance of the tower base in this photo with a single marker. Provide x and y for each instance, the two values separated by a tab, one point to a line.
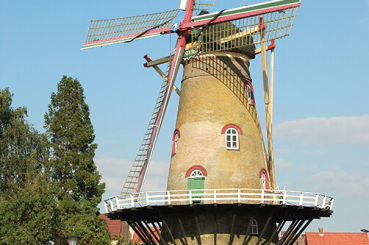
219	223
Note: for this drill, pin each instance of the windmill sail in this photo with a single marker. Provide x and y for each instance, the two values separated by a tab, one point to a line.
112	31
137	174
240	27
140	165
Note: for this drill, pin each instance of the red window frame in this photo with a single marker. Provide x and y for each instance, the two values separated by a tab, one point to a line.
175	141
196	167
252	100
266	184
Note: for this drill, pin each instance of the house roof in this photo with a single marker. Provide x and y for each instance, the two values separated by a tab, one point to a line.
137	239
336	238
114	226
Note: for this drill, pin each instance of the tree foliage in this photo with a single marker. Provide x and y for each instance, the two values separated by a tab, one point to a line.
49	184
70	135
26	195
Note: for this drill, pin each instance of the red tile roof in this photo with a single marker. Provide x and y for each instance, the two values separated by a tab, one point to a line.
114	226
136	238
336	238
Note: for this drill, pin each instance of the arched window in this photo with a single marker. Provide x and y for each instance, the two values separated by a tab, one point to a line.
231	139
196	171
232	132
264	179
196	174
175	141
254	227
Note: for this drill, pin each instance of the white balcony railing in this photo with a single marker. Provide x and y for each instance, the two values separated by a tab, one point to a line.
220	196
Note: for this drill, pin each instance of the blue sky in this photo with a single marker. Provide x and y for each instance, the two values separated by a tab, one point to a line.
321	118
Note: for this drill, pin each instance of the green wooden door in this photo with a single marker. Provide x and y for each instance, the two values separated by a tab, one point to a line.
196	184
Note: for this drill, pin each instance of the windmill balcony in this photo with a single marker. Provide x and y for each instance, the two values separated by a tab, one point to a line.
220	196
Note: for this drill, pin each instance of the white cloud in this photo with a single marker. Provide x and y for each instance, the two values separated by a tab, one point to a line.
114	172
347	183
337	130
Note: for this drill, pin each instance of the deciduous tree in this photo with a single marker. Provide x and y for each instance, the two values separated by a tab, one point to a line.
26	193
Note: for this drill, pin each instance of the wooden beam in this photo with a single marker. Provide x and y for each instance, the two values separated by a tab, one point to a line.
182	231
239	35
289	230
248	229
265	227
296	230
232	230
170	233
301	230
267	101
192	45
271	156
215	225
159	61
278	228
138	231
198	236
162	241
144	229
152	233
162	74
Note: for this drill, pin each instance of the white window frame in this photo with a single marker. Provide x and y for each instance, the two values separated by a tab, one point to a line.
197	173
231	139
249	94
254	227
263	180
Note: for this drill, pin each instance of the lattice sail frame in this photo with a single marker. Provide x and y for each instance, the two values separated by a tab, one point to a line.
203	4
109	31
245	32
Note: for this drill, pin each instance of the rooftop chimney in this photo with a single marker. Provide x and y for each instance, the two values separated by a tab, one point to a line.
321	231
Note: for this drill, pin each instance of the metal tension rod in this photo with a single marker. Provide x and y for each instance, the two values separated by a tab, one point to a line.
154	64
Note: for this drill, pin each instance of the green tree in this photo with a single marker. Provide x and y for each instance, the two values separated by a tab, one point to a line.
26	194
71	136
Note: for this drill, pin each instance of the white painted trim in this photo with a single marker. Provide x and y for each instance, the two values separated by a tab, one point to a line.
220	196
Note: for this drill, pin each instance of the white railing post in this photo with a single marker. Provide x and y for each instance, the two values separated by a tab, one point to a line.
190	197
331	204
316	200
239	195
168	194
147	198
132	201
324	199
117	202
284	197
262	195
301	198
215	196
108	206
111	205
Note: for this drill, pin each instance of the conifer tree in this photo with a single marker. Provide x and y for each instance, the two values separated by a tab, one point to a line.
26	194
71	142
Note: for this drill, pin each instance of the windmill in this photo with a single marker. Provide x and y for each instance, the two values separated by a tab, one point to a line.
217	136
